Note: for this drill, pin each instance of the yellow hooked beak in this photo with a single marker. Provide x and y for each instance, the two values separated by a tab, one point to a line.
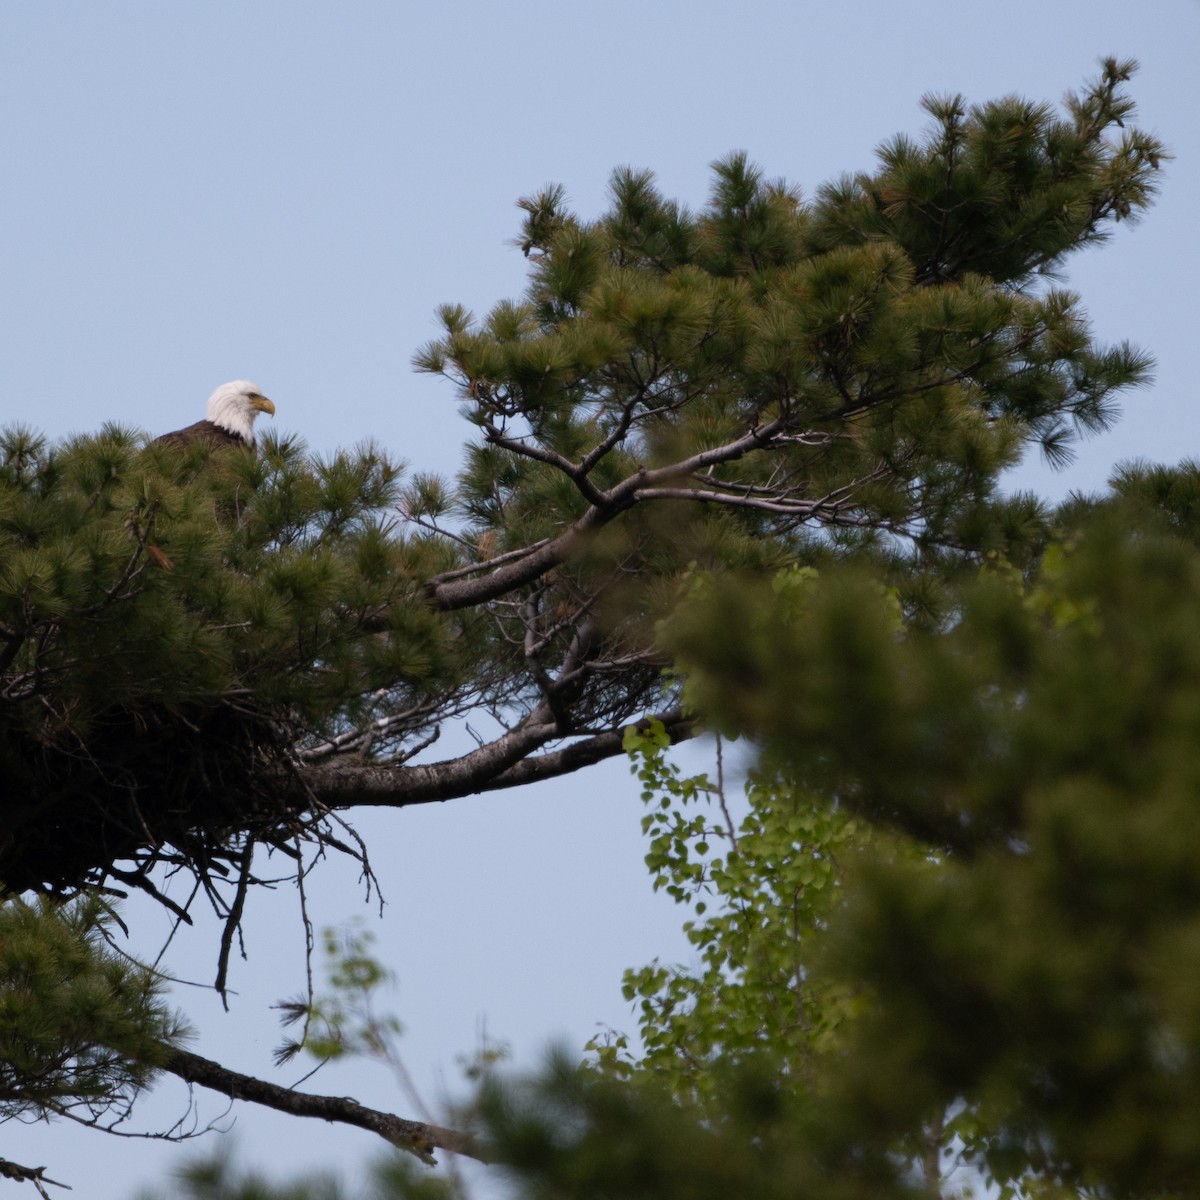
262	404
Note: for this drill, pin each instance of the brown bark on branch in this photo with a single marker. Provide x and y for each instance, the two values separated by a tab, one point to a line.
505	763
414	1136
452	591
34	1175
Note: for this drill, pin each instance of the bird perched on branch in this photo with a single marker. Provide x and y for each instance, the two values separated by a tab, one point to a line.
230	421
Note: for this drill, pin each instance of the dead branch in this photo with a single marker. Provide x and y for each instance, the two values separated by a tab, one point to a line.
416	1137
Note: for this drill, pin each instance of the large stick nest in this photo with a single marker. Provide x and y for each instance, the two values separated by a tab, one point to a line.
150	789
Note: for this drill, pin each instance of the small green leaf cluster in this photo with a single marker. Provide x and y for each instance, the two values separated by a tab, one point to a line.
342	1021
679	842
760	910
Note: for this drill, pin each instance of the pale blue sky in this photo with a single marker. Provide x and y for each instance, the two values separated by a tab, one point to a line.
285	191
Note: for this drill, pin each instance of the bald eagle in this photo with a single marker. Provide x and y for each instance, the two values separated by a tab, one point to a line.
230	421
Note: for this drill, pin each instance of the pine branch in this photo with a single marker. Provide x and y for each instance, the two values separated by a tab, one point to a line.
510	761
416	1137
34	1175
450	594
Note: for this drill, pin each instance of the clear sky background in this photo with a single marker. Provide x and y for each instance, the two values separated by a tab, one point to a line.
285	190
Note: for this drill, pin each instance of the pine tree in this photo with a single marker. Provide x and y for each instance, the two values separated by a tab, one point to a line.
203	654
1035	965
761	382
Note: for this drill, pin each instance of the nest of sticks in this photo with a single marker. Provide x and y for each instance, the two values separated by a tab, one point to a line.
143	796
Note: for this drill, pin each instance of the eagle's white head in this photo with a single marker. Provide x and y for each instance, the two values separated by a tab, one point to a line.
233	406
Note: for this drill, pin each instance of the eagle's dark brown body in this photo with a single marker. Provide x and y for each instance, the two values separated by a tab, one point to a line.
202	431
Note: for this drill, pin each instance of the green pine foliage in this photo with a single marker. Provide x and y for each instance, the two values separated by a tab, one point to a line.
894	340
82	1027
219	1178
172	623
1042	746
1029	184
149	576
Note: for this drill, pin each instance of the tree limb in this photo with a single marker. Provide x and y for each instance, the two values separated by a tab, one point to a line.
450	594
416	1137
34	1175
507	762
